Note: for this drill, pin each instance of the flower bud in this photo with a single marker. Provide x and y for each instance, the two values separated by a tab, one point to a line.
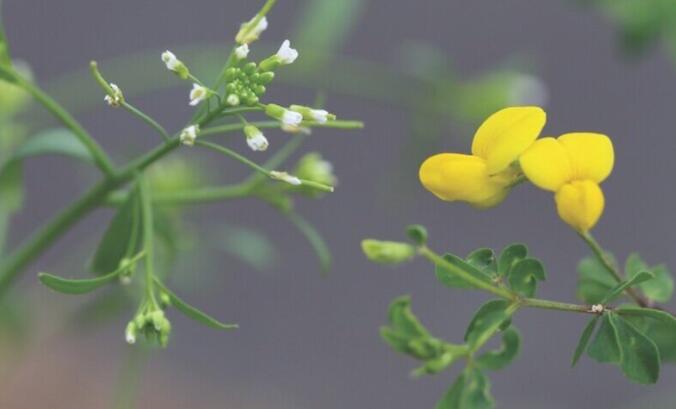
189	135
255	138
115	98
287	117
175	65
130	333
316	115
242	51
251	30
387	252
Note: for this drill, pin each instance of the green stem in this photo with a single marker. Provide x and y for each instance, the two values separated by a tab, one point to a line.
147	119
501	291
100	157
338	124
126	388
148	238
609	265
188	196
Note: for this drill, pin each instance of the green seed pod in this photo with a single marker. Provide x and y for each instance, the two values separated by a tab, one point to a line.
387	252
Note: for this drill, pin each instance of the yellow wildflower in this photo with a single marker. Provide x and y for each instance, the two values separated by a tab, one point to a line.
572	166
484	178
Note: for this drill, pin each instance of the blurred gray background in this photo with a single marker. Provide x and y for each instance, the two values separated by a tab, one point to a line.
312	342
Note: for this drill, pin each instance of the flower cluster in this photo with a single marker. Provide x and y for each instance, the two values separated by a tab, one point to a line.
505	150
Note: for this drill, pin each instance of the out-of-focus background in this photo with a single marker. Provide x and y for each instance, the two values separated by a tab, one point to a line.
421	75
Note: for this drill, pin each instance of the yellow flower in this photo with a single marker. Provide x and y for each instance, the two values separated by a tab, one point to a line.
573	166
484	178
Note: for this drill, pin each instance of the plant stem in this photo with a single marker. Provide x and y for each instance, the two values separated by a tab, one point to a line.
147	119
100	157
602	256
501	291
129	378
148	238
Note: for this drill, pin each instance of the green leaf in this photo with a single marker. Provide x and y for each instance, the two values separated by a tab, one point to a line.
660	326
640	356
117	241
498	359
584	339
524	275
605	348
484	259
68	286
661	288
192	312
594	280
487	321
56	141
509	256
471	390
616	291
11	187
449	279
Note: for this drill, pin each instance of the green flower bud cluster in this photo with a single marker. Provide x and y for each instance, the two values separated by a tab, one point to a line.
246	84
152	324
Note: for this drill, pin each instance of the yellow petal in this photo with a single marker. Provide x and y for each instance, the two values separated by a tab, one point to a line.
452	176
580	204
547	164
506	134
591	155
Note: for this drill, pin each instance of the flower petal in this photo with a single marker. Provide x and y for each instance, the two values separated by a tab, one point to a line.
580	204
452	176
547	164
591	155
506	134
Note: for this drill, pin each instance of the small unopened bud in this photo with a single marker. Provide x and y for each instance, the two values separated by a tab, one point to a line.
387	252
285	177
242	51
189	135
255	138
175	65
115	98
251	30
130	333
597	308
232	100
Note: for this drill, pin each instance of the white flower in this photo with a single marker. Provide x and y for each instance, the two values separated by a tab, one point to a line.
286	54
285	177
189	135
255	138
597	308
116	98
198	94
171	61
291	118
319	115
248	34
242	51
